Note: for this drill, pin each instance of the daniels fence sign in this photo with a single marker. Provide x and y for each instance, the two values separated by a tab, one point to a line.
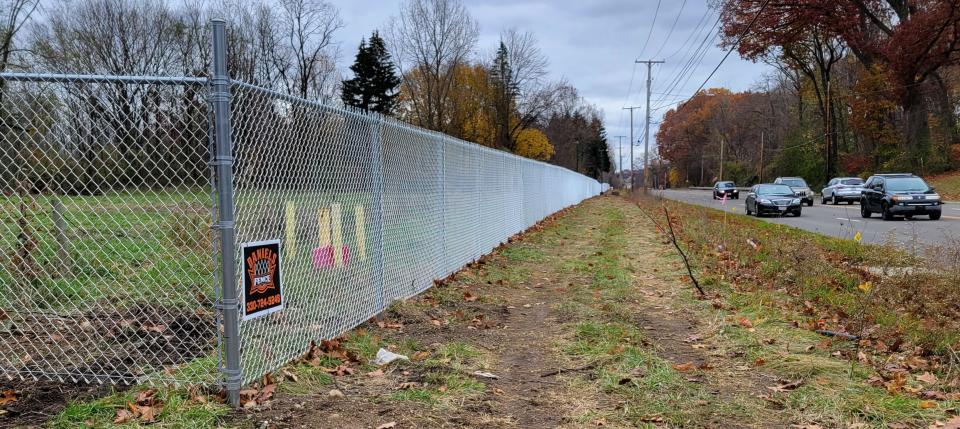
262	290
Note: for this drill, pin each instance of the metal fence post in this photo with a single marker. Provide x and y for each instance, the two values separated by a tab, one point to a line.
376	182
443	209
223	160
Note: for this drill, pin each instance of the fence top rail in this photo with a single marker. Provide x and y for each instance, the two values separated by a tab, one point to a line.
95	78
367	116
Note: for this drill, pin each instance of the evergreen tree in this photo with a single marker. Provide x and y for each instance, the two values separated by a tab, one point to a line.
598	158
505	92
374	84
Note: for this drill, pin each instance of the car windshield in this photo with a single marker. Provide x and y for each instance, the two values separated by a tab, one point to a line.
796	183
851	182
774	190
907	184
725	185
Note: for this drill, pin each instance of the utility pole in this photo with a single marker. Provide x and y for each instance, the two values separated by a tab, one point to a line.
620	155
646	130
760	174
632	184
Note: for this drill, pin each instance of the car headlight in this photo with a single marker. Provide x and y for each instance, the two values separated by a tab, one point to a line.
933	197
765	201
795	201
902	198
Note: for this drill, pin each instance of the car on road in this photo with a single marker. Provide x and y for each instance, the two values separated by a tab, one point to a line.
728	189
799	186
894	195
842	189
772	198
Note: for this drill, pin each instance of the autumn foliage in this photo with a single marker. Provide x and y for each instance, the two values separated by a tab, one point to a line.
879	74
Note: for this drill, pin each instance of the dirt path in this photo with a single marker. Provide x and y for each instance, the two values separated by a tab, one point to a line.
586	321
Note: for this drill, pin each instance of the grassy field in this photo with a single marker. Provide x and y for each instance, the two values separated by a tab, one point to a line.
948	185
120	248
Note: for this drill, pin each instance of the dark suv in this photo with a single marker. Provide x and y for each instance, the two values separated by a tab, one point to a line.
899	194
725	188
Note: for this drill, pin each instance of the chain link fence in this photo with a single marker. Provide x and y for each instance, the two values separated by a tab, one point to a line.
106	252
126	203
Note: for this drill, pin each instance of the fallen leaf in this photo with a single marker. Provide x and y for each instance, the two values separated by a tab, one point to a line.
377	373
123	416
683	367
786	387
289	375
420	355
953	423
407	385
8	396
928	378
387	425
390	325
145	397
442	389
267	392
148	414
928	404
759	362
469	297
600	422
483	374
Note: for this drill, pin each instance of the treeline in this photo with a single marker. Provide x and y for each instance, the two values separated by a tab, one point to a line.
860	87
89	138
503	100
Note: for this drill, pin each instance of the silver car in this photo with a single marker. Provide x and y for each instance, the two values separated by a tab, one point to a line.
799	186
842	189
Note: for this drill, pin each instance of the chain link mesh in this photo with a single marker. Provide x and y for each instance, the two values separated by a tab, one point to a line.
109	266
368	210
106	252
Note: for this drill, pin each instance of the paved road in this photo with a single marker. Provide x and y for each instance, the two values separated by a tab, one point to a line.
844	221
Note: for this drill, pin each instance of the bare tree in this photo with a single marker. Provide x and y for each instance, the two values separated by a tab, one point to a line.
15	14
430	38
309	26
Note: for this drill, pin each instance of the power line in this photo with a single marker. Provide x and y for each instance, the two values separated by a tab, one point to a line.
693	62
734	46
672	27
652	26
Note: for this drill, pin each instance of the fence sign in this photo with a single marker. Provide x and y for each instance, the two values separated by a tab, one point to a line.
262	290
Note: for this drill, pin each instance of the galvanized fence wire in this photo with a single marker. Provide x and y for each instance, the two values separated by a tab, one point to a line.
369	210
109	233
106	251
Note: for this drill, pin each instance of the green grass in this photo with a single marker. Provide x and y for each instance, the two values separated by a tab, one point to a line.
947	185
446	376
179	411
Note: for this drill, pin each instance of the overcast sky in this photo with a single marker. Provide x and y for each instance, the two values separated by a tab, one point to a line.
593	43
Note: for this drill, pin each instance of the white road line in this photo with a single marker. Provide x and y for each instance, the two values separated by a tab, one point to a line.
850	220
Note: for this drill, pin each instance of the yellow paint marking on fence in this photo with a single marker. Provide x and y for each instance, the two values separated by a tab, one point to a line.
323	222
290	224
361	227
336	223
